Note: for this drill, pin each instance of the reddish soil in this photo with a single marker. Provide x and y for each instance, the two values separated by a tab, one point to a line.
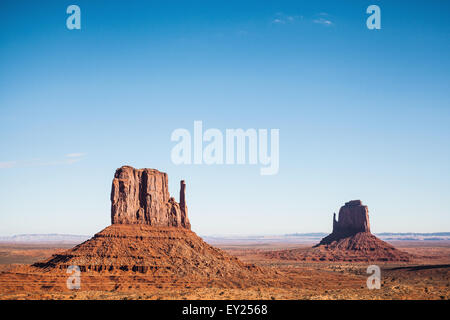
182	266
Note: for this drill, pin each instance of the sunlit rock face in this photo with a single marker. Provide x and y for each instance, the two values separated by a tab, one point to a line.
141	196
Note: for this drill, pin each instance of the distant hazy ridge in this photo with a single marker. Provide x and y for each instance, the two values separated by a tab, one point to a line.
294	237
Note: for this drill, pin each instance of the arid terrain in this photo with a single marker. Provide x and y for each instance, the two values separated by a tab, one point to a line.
150	252
426	277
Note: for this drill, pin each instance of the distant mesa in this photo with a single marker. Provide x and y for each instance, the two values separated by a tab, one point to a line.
351	240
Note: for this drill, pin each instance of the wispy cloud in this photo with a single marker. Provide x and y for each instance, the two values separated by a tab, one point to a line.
69	158
75	155
278	21
242	33
281	18
7	164
321	18
323	21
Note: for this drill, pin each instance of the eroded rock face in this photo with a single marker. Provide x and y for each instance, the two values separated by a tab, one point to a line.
351	240
141	196
353	218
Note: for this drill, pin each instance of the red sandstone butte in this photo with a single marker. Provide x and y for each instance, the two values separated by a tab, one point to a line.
151	238
141	196
353	218
351	240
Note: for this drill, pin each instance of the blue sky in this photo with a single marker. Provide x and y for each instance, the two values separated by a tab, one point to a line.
363	114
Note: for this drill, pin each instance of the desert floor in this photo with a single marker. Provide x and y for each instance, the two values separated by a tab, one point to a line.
427	277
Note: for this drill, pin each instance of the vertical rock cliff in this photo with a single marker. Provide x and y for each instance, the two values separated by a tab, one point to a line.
353	218
141	196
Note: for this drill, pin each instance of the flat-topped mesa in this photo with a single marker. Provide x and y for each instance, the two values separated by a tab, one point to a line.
141	196
353	218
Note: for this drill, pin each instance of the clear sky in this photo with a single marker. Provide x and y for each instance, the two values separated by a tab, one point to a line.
363	114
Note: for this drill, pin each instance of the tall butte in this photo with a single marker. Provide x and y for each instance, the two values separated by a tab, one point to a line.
350	240
150	236
141	196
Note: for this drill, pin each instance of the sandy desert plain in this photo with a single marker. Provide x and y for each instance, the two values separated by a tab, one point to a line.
427	277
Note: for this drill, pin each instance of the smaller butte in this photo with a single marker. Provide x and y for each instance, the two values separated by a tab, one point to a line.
351	240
